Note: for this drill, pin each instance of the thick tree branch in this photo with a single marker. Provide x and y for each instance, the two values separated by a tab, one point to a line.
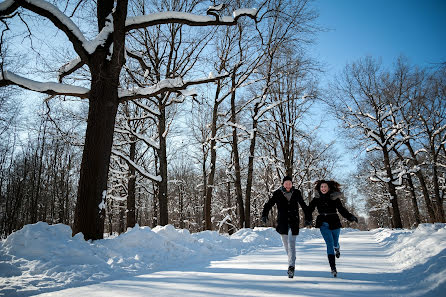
70	67
175	17
52	13
7	7
168	85
50	88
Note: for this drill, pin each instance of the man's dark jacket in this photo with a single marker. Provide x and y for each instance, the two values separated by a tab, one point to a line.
287	211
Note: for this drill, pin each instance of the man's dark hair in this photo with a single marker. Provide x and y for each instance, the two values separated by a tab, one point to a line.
285	178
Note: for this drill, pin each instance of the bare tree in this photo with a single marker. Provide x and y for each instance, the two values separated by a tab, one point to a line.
104	56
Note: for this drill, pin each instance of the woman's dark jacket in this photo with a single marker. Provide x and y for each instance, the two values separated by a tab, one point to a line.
287	211
327	204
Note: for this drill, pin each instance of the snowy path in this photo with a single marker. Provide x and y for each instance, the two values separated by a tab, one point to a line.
363	271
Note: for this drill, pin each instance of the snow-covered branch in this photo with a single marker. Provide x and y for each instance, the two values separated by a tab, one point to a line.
269	107
186	18
52	13
148	141
50	88
241	127
138	168
167	85
8	6
70	67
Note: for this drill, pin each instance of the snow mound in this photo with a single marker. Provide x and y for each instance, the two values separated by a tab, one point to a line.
408	248
420	254
42	257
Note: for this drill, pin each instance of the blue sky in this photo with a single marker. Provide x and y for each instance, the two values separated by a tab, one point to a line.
383	29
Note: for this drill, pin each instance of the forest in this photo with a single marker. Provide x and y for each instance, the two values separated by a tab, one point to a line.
189	113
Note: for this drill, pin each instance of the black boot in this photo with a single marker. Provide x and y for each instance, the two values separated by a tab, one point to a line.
291	271
332	261
337	252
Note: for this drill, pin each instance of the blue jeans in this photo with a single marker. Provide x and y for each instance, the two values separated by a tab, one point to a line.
331	237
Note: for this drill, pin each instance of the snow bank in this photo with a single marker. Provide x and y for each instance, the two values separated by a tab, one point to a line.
42	257
420	254
408	248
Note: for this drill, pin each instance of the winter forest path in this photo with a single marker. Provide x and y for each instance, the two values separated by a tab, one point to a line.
363	270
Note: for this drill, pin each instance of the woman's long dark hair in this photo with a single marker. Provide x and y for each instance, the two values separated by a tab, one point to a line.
333	185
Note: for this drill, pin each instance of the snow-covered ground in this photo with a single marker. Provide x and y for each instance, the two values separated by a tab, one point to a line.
164	261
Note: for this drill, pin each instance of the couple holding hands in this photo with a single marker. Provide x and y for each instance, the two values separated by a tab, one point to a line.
326	200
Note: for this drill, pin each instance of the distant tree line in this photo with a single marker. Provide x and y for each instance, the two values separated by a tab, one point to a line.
397	117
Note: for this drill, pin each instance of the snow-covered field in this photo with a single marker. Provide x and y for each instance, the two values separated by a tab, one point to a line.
45	259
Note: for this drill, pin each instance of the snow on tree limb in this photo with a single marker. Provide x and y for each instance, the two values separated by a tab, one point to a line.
269	107
186	18
70	67
241	127
8	7
148	141
138	168
101	38
52	13
167	85
51	88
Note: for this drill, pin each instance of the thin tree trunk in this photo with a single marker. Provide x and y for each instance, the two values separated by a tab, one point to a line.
205	186
131	187
396	217
424	189
250	171
411	189
155	218
438	198
162	155
236	157
228	205
121	210
213	163
416	210
180	194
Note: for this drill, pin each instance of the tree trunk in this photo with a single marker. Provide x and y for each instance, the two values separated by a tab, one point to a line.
250	171
205	186
181	202
121	215
396	217
438	198
90	208
236	157
103	98
155	212
131	201
416	210
228	205
411	189
162	155
213	161
421	179
35	204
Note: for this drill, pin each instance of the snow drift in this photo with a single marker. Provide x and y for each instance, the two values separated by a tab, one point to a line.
41	257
